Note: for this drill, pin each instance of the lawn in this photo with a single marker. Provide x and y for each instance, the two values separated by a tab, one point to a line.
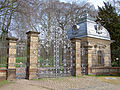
108	79
5	82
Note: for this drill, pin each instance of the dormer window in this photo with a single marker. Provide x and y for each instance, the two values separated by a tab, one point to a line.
98	28
75	27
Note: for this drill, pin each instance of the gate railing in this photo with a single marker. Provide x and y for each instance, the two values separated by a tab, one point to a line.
3	57
21	59
25	58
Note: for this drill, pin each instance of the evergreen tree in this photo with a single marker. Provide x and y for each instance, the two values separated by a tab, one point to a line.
110	19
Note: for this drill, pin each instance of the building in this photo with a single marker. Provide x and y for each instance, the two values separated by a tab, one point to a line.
95	44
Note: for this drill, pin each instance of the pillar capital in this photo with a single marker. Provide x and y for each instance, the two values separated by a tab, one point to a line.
76	40
32	33
11	39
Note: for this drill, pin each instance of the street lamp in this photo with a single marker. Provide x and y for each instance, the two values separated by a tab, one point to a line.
117	59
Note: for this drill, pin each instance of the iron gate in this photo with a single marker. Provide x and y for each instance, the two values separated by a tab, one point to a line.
55	54
21	59
3	52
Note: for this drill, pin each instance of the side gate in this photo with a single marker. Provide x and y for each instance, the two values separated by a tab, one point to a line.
3	57
21	59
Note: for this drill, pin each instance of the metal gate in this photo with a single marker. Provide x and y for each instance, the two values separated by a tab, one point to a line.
84	60
3	54
21	59
55	54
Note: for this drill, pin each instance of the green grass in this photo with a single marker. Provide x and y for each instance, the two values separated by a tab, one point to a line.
5	82
21	59
18	60
20	65
50	61
112	81
3	62
3	65
102	75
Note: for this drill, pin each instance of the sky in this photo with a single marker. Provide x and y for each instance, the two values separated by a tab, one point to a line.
95	2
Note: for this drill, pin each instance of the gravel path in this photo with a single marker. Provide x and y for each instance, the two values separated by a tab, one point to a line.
64	83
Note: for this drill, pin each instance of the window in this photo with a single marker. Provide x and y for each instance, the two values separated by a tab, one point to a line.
100	58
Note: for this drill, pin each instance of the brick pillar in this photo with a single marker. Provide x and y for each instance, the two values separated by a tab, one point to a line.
89	59
11	60
76	57
32	50
107	56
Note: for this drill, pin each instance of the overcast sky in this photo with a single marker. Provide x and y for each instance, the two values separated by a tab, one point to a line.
95	2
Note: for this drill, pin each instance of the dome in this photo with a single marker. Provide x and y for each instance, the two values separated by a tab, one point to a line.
87	27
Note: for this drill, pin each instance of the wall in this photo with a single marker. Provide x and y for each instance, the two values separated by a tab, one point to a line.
104	70
91	47
3	72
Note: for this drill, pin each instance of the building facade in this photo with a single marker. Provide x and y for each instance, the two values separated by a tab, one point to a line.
95	43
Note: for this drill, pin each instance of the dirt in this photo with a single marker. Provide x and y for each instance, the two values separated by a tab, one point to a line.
63	83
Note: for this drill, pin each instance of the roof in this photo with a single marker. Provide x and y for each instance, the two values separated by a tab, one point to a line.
87	27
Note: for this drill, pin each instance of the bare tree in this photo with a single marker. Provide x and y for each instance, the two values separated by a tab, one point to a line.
23	15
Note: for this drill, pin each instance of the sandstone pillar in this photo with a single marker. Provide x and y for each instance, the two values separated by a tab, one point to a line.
76	57
11	60
32	50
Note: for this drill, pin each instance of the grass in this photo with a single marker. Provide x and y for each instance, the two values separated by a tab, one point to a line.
18	60
5	82
3	65
50	62
3	61
102	75
110	80
21	59
43	62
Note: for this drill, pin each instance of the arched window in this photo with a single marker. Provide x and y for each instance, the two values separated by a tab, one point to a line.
100	58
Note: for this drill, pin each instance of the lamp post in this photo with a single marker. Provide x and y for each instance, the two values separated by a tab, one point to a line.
117	59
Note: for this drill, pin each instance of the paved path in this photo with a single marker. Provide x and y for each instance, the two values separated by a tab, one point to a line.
64	83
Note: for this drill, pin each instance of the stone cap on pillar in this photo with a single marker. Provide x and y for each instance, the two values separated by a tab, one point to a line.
11	38
33	32
76	39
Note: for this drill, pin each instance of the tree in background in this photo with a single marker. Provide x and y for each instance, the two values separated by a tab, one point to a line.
12	13
110	19
23	15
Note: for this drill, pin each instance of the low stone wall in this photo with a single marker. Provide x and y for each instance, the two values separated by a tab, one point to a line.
104	70
3	74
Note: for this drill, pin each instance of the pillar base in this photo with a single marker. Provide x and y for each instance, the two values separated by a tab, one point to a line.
32	74
11	74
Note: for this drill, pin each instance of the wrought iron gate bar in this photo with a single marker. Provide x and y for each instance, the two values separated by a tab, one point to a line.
21	59
55	59
3	53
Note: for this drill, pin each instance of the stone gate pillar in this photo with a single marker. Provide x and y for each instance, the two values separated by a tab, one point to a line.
32	50
11	60
76	57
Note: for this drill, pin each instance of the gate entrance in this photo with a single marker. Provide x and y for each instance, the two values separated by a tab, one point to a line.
55	54
21	59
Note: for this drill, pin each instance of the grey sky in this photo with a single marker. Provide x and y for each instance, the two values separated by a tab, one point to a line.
95	2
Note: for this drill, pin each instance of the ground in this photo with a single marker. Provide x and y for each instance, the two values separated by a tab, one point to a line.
66	83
